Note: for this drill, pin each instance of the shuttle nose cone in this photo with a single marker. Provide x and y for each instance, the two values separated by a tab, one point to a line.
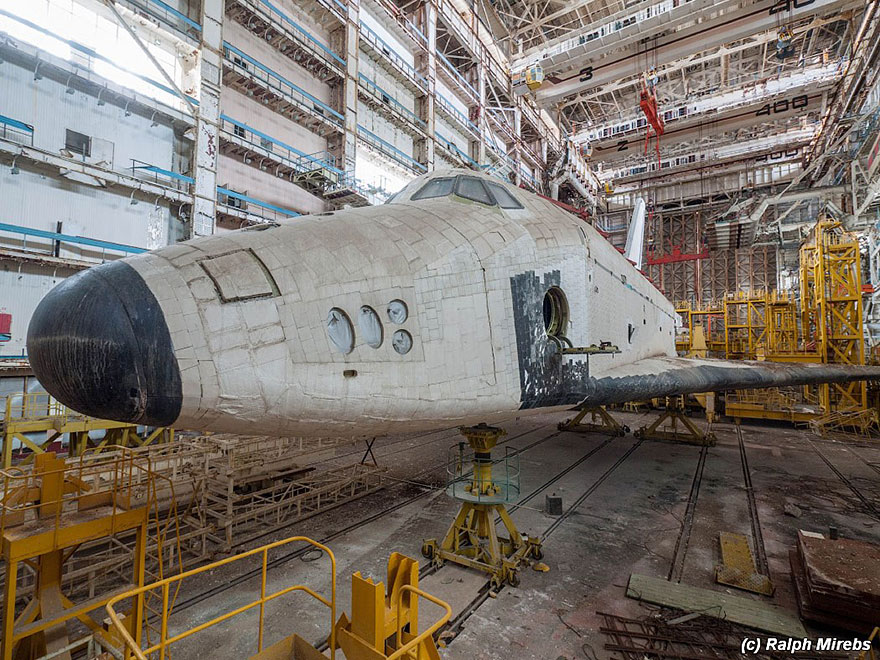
98	342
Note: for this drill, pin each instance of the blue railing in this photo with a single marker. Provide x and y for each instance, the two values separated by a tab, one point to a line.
390	149
303	31
12	128
454	148
413	117
88	52
67	238
257	202
460	78
457	114
302	160
319	106
223	191
179	16
382	46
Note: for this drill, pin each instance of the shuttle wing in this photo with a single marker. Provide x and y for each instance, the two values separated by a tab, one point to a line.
669	376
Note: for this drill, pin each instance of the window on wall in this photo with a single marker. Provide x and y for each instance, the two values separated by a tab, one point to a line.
238	130
78	143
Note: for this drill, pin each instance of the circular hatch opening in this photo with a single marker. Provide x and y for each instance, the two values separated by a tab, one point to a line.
555	312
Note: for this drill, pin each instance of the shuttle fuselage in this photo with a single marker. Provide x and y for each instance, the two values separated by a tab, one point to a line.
420	313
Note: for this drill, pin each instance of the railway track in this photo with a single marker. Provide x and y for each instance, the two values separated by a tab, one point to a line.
676	568
454	626
763	565
186	603
869	507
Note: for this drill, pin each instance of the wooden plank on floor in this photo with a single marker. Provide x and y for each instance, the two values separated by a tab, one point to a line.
753	613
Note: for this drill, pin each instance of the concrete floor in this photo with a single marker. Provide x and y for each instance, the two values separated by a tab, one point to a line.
630	522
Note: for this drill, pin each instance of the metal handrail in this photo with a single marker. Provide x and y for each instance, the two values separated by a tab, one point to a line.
132	645
413	643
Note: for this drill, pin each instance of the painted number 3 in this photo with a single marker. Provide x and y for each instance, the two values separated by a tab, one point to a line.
783	105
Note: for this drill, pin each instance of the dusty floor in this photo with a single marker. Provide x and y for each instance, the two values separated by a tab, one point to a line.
634	517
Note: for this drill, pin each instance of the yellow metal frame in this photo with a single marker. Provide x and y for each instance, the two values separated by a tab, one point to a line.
46	513
870	654
422	637
133	643
831	304
472	539
745	324
37	412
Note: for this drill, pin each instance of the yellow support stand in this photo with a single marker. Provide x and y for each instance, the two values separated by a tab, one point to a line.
378	615
674	415
608	424
473	540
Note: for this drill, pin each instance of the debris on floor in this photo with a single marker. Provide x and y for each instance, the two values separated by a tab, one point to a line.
746	611
837	581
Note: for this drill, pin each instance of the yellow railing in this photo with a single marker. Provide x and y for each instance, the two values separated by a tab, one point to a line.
33	406
133	644
127	479
418	639
869	654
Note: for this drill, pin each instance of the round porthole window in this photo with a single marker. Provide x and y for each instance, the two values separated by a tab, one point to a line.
397	311
340	331
370	326
402	342
555	312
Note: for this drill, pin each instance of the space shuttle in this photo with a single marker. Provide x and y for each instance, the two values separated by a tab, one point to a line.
460	300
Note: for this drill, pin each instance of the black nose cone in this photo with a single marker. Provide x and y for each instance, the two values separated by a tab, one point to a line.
98	342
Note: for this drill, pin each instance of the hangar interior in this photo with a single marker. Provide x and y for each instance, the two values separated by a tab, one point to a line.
729	149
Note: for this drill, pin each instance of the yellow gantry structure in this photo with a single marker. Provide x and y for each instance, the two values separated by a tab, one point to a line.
825	325
831	308
745	324
37	412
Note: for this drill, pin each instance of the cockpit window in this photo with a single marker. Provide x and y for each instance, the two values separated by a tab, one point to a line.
391	199
505	198
435	188
470	187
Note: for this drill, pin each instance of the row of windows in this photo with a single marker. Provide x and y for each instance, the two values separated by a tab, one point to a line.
468	187
341	332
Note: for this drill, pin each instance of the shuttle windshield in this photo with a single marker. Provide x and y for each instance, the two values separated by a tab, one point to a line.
468	187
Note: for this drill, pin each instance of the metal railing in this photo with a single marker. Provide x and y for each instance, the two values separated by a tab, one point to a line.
33	406
480	480
381	46
301	34
404	651
16	131
160	649
276	149
386	97
244	63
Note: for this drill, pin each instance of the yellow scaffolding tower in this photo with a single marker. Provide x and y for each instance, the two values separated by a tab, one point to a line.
831	307
745	325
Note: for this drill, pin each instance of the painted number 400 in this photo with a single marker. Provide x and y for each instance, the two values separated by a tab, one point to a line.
788	5
783	105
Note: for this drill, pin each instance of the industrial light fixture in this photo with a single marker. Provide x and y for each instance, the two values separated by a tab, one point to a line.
100	100
14	169
37	74
153	121
132	200
69	89
127	111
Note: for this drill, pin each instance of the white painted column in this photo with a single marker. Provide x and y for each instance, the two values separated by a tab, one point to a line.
350	109
208	120
428	69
